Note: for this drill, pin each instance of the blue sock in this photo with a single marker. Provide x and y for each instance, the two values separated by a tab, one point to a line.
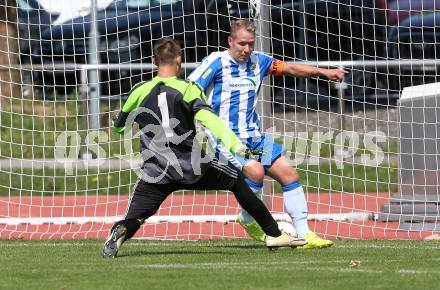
296	206
257	188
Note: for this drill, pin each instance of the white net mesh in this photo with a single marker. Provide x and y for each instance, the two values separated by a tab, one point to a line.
65	72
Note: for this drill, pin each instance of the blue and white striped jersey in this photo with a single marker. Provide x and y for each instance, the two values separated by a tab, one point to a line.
232	89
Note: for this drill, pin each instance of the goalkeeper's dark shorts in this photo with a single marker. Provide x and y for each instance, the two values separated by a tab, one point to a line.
147	197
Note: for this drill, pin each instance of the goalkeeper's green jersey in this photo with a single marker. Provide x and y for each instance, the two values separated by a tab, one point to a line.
166	110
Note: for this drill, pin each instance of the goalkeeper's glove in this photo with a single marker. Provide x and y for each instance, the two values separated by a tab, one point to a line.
249	153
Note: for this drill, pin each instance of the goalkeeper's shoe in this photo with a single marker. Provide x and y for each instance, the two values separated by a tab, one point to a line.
253	229
315	242
114	242
285	240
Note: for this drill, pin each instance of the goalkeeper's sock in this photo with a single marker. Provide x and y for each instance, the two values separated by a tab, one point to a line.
132	225
264	222
256	188
296	206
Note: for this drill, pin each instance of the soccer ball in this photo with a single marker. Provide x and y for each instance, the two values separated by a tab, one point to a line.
287	228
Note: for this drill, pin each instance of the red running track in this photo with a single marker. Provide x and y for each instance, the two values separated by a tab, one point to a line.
190	204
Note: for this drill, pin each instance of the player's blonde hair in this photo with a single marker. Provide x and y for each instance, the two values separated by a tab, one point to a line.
246	24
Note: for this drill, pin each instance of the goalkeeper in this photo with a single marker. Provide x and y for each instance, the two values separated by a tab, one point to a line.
165	109
233	79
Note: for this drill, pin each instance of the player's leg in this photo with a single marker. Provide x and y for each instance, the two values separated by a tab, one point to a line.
229	178
261	214
295	201
293	193
254	173
144	202
255	181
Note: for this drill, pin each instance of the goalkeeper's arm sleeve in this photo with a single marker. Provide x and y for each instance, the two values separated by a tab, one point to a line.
118	123
219	129
135	97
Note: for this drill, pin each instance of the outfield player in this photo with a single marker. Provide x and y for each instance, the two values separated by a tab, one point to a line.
165	109
232	79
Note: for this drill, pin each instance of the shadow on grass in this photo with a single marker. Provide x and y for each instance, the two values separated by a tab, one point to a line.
171	253
253	246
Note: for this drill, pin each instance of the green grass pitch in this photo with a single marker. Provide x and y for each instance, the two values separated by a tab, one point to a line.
219	264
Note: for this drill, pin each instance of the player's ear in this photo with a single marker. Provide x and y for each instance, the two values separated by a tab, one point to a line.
179	59
154	61
230	40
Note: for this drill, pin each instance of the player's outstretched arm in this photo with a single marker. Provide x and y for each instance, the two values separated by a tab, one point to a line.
306	71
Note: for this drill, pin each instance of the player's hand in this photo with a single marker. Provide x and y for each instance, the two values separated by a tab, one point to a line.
336	74
249	153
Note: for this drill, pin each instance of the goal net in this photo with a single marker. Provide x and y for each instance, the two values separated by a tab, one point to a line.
368	161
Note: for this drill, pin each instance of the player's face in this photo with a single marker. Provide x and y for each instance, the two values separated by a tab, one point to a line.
241	45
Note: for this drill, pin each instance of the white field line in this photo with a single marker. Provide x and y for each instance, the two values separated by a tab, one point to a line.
351	216
373	246
418	272
305	266
260	266
234	264
281	263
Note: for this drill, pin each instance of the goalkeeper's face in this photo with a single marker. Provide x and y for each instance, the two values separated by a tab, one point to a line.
241	45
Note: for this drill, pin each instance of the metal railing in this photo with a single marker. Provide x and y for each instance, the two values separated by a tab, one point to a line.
394	63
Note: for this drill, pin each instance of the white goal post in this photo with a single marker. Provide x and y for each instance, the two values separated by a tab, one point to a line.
64	73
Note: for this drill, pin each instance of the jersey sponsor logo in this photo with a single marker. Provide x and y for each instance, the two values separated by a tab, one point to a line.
243	83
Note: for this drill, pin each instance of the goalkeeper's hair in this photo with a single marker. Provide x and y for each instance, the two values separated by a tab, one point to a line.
245	24
165	51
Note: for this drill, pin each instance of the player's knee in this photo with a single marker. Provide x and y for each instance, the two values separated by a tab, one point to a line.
290	176
254	171
294	175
